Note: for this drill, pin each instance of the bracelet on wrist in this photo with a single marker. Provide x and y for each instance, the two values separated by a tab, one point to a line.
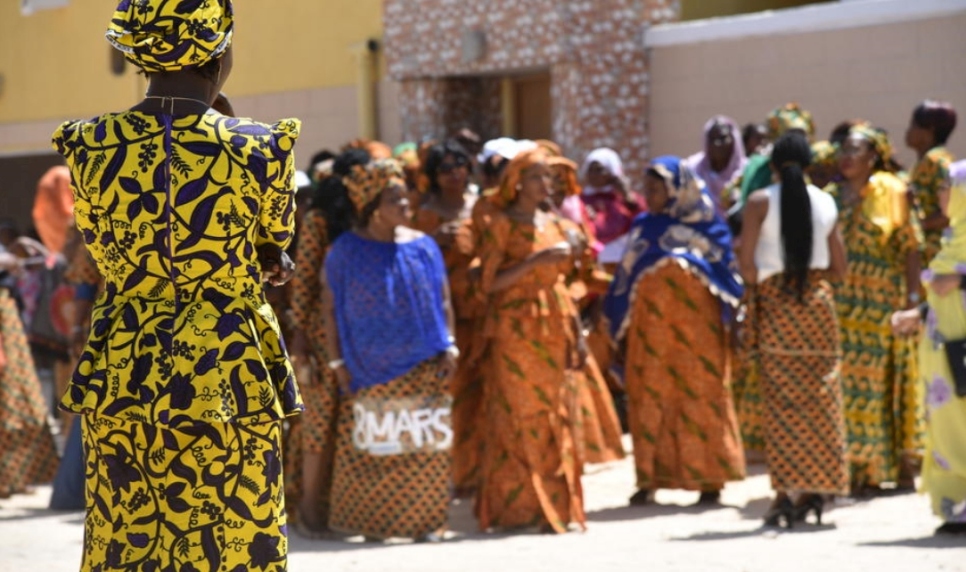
453	351
336	364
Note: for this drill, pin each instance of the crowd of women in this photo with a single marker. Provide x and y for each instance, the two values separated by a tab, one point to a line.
747	313
471	319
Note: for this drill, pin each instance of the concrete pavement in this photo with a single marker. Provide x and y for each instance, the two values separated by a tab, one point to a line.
883	534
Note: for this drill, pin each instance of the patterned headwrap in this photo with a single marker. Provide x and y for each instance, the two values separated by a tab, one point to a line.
824	154
789	116
688	233
878	139
366	182
566	170
169	35
513	175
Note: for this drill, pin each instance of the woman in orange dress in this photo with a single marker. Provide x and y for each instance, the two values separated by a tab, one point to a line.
530	470
598	427
445	215
670	307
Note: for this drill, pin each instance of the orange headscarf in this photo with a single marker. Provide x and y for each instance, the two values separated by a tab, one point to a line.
552	149
565	169
53	212
376	149
514	174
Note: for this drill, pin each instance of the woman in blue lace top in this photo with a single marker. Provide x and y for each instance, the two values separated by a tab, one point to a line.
393	352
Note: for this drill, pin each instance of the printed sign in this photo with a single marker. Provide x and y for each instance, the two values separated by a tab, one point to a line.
402	425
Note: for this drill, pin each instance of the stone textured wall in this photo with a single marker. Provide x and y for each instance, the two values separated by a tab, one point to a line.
593	49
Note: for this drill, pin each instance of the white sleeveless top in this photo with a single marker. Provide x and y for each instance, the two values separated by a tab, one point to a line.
769	253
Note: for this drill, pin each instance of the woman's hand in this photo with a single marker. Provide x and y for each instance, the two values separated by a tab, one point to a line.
906	322
223	106
944	284
343	378
277	268
445	235
446	366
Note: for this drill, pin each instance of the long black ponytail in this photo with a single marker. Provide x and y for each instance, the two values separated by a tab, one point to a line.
790	156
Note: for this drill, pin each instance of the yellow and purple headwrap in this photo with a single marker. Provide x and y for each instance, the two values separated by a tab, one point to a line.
366	182
877	138
787	117
170	35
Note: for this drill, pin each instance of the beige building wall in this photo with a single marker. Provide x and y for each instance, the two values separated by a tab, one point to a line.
876	72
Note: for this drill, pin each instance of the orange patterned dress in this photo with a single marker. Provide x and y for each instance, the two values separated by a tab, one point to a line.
318	423
467	383
531	473
680	410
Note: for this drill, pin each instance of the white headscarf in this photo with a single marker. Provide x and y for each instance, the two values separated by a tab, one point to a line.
606	158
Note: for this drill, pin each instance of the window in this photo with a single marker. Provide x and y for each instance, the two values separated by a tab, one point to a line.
28	7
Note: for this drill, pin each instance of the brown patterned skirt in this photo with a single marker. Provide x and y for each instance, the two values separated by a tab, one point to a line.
27	452
801	387
392	461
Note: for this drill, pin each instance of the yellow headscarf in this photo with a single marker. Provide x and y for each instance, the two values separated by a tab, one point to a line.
789	116
366	182
824	153
878	139
513	175
169	35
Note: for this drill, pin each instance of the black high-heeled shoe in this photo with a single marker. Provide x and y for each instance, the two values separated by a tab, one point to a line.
781	509
811	503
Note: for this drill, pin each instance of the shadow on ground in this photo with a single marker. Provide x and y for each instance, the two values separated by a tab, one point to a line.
936	541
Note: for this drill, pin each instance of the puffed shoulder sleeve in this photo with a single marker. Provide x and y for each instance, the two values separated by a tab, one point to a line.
63	139
277	217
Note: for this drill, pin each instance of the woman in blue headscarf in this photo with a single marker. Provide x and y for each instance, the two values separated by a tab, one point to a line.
669	308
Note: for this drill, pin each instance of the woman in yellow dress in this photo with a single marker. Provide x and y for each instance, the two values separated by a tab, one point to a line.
930	126
944	465
184	381
878	369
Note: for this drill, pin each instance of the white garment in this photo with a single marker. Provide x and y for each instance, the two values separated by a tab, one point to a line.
606	158
613	251
769	254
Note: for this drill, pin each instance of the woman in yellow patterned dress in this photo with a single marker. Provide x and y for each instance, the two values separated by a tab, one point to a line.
669	308
944	464
530	469
931	125
184	380
878	369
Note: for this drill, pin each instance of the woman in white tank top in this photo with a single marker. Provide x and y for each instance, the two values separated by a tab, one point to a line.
790	247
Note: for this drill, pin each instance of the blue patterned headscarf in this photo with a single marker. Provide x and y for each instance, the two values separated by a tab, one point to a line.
688	232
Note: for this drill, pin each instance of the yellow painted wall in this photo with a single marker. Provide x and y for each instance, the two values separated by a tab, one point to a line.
697	9
56	63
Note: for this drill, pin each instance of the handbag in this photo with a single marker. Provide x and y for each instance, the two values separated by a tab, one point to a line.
956	356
